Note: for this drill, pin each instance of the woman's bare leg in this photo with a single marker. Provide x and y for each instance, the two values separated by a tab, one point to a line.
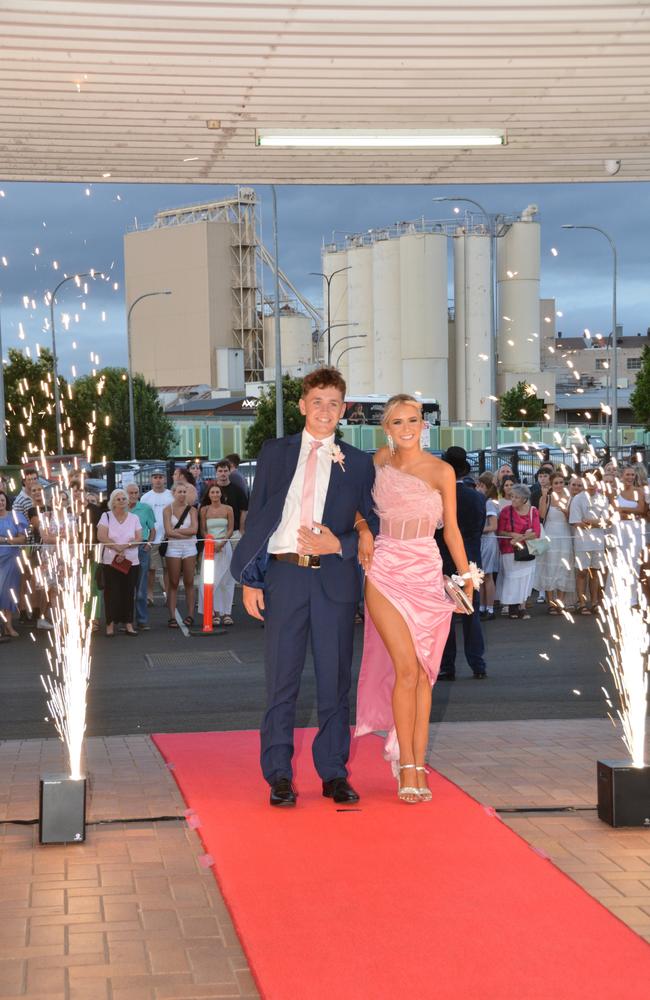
396	637
189	566
422	718
174	570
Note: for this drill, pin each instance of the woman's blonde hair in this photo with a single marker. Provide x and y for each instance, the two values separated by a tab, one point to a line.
401	399
111	499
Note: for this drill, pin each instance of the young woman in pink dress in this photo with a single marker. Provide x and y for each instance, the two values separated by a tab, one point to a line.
408	617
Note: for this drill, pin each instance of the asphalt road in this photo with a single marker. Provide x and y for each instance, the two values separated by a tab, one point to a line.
164	682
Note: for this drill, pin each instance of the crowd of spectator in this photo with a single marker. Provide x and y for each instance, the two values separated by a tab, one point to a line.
551	539
132	542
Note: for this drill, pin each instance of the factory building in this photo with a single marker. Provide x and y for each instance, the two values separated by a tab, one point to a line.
390	322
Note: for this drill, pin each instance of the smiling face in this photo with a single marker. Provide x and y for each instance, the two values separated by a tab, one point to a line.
557	484
507	488
214	496
404	425
3	503
119	501
133	493
322	409
629	478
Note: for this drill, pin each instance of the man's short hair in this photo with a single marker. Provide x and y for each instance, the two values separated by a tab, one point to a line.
223	464
324	378
233	459
29	472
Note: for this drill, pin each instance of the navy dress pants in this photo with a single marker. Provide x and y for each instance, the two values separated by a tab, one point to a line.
472	640
296	610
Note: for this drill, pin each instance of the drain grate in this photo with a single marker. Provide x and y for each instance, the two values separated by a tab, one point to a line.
180	661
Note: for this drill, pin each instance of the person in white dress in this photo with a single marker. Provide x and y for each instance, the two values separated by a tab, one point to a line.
629	527
490	556
589	515
554	571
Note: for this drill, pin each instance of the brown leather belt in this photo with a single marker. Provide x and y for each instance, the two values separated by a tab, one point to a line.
312	562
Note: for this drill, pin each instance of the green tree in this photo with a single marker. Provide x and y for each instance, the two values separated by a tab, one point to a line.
105	396
264	426
520	405
640	397
29	403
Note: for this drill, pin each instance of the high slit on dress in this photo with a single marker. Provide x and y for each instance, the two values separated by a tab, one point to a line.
407	570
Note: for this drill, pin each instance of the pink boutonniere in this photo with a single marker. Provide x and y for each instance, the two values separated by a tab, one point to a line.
337	456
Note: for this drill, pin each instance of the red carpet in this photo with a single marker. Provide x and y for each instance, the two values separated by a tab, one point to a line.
392	901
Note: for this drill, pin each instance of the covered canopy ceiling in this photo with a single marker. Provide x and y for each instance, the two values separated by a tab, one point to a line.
173	91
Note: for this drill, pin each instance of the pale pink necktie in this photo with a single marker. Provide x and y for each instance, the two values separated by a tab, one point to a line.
309	487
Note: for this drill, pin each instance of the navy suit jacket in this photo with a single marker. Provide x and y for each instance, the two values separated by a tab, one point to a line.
470	514
349	491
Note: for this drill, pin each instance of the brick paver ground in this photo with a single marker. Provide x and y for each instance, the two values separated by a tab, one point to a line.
135	913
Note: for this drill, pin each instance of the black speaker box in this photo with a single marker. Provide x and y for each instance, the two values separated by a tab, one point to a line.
62	810
623	793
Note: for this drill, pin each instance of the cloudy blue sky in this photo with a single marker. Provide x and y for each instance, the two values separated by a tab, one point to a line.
45	223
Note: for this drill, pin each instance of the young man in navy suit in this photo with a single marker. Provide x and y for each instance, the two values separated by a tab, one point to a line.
298	564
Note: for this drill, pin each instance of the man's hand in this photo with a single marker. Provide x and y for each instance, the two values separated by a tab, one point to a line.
253	599
323	544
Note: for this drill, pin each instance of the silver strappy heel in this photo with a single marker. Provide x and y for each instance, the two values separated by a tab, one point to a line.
404	793
424	793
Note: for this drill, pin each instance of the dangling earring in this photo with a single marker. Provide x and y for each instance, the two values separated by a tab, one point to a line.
391	444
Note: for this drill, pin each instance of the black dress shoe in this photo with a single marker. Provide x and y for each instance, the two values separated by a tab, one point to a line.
283	793
340	790
445	675
480	676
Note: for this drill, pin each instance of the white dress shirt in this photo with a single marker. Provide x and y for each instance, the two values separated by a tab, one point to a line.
285	537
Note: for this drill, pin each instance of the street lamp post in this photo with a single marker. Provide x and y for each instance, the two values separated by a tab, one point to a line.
279	400
333	326
147	295
328	281
494	433
351	336
356	347
55	360
614	341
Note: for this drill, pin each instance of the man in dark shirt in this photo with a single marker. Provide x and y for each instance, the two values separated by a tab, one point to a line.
470	514
542	483
236	477
232	495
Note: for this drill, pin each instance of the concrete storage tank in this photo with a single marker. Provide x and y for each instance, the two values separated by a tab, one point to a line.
386	317
473	306
518	265
333	261
296	340
360	311
423	311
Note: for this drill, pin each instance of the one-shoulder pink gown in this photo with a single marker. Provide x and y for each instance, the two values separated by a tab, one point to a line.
407	569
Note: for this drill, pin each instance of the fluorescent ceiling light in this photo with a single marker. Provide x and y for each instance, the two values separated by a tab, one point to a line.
338	138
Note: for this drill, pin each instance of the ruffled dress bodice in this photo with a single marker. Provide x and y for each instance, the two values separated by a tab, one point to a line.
407	507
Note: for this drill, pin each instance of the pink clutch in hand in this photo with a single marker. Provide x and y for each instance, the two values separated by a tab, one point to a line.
463	605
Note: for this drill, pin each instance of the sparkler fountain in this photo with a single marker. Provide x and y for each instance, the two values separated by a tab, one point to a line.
624	786
63	796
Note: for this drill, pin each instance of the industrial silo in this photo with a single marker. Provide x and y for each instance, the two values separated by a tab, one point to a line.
473	308
360	312
296	339
385	331
334	260
518	265
423	311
